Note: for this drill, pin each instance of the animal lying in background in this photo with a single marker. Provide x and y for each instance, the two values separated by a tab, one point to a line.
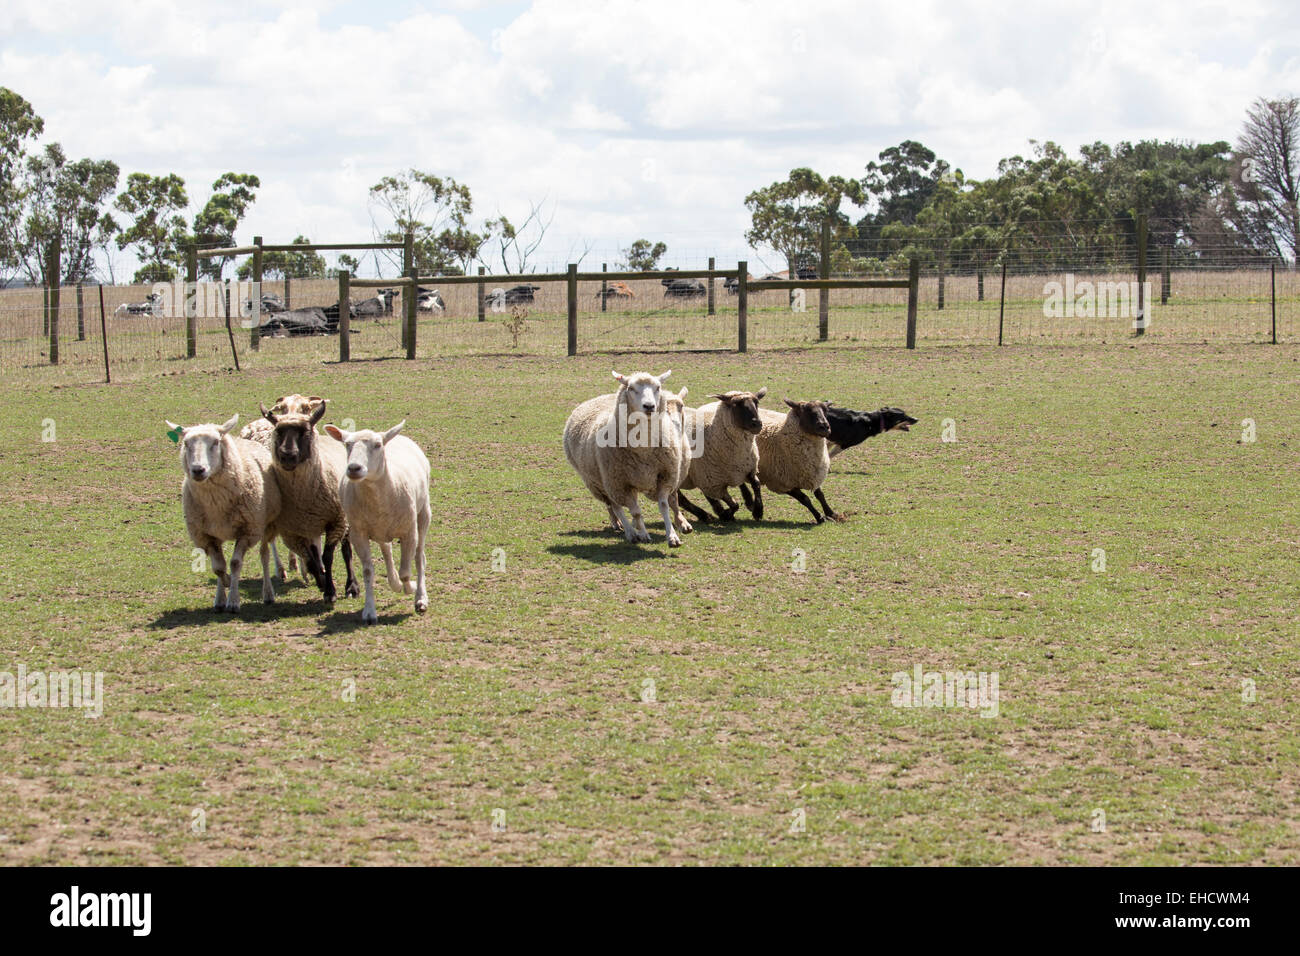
152	305
386	497
429	300
616	290
849	428
230	494
724	432
683	288
792	454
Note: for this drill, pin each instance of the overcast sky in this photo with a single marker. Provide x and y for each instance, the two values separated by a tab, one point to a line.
633	119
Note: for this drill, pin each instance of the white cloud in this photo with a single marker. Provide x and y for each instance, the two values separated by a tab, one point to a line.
644	119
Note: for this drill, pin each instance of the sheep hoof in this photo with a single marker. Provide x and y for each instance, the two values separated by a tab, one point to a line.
352	590
422	605
369	617
685	527
674	541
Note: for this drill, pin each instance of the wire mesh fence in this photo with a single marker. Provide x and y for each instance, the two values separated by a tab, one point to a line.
1082	294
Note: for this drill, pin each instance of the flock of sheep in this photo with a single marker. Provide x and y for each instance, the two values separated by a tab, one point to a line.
645	440
281	477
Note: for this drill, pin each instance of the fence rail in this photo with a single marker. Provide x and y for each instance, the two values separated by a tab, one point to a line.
1077	298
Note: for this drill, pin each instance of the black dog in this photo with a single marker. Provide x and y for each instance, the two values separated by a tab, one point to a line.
849	428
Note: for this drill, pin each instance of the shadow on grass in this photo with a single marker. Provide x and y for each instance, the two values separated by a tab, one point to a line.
611	549
294	601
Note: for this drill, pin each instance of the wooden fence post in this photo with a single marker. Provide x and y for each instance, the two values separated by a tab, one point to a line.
103	334
712	302
255	334
408	270
979	278
1164	276
1140	326
54	272
572	290
1272	291
604	289
943	267
913	288
191	301
824	295
230	332
345	316
482	304
81	315
45	303
1002	298
742	306
288	301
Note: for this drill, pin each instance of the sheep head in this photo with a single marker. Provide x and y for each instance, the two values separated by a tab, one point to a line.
811	417
743	407
203	448
642	392
365	449
294	440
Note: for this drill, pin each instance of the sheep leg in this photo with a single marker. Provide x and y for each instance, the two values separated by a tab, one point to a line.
826	507
350	588
699	514
615	519
798	495
236	565
219	569
680	523
421	591
725	509
268	591
757	509
674	541
408	552
394	582
639	533
361	544
279	568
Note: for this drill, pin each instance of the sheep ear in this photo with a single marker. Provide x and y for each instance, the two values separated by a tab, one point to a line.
229	426
336	433
665	375
265	414
392	432
682	394
318	414
760	393
173	427
721	398
790	403
622	379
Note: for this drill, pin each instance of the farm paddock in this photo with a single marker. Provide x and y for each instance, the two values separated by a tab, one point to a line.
627	704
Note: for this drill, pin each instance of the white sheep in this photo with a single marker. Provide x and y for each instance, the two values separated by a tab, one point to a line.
627	444
229	494
308	468
386	497
792	454
725	435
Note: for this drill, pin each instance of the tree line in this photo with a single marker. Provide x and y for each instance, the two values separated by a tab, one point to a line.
1201	201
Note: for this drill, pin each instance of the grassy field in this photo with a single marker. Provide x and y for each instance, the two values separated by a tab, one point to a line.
628	704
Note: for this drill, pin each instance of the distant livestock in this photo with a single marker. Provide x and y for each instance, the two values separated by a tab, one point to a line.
512	296
683	288
617	290
732	284
152	305
429	300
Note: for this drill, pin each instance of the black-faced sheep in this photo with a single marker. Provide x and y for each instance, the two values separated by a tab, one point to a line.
725	434
792	454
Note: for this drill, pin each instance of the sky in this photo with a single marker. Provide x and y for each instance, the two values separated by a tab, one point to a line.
626	119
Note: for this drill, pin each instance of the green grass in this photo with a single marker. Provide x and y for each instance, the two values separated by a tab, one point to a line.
1120	691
